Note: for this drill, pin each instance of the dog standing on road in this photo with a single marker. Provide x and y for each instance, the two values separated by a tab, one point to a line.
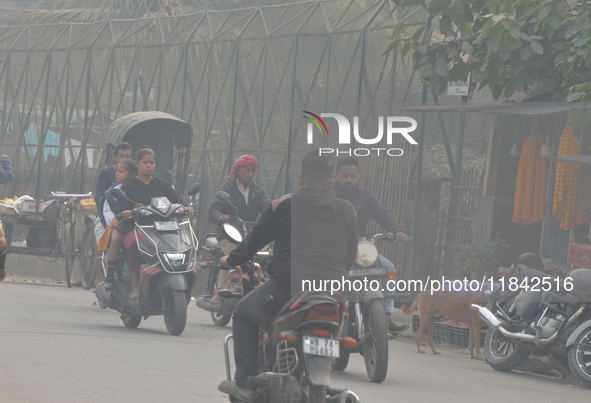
447	303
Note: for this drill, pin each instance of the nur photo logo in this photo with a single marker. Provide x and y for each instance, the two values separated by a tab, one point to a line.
344	134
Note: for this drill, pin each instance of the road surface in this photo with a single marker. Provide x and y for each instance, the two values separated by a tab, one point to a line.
58	346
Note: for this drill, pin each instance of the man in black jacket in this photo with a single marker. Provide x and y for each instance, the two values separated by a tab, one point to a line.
250	200
6	175
366	205
315	236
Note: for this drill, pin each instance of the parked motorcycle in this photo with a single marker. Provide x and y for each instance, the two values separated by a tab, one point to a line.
168	245
250	275
365	316
552	318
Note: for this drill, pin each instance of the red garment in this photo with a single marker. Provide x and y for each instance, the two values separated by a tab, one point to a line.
242	162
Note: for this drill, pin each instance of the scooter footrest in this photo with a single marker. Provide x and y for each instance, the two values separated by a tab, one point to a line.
258	382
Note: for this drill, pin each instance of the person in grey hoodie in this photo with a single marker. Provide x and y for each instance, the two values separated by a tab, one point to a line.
6	175
315	236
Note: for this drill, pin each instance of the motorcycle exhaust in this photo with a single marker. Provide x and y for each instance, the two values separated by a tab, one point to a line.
345	396
487	316
496	324
203	303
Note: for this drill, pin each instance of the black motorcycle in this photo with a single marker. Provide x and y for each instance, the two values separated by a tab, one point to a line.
168	245
296	348
537	312
250	275
365	316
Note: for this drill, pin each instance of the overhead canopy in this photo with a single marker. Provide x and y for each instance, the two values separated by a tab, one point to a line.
140	122
579	159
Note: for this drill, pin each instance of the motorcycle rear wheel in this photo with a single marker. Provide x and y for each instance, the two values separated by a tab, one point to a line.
220	319
340	364
175	311
316	394
579	358
503	354
375	346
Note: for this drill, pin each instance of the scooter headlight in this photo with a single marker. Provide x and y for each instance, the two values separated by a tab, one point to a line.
176	260
367	254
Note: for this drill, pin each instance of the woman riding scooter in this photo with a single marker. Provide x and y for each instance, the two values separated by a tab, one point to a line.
141	190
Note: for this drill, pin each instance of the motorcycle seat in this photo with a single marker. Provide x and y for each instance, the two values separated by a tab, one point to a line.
308	297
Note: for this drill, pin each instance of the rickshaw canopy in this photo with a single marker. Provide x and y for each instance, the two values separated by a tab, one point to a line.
148	124
162	132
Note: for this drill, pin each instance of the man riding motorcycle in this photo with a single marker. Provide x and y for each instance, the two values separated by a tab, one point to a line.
320	242
250	200
366	205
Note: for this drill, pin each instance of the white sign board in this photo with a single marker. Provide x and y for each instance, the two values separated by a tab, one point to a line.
459	87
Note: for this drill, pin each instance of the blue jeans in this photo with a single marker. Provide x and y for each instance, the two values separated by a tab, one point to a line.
389	301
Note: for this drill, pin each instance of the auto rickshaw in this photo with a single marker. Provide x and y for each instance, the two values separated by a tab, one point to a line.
169	136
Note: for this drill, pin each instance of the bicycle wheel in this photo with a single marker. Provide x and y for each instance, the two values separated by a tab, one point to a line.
87	257
69	252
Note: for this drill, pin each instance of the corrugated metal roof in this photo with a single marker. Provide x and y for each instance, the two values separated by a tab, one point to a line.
537	108
450	108
505	108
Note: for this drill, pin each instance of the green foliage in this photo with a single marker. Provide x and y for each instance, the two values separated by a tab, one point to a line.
512	44
482	258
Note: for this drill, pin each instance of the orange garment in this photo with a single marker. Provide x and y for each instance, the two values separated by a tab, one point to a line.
103	243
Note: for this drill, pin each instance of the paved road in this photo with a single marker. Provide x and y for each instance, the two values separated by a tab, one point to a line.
57	346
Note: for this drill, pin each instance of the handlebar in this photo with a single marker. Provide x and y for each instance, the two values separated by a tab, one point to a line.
68	195
389	236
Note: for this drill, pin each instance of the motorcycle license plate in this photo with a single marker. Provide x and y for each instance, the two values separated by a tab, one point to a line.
320	346
368	272
166	225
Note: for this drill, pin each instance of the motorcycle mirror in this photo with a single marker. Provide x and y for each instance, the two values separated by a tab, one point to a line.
118	194
225	198
194	189
232	233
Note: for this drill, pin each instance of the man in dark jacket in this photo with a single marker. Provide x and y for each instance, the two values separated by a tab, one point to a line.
315	236
366	205
6	175
249	199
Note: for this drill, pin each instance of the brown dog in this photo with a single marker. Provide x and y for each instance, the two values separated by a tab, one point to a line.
447	303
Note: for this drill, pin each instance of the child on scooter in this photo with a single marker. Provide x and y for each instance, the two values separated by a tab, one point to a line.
125	171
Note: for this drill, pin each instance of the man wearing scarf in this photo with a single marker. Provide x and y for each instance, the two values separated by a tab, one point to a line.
250	200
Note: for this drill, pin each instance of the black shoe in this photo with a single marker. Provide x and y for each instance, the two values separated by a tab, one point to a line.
109	284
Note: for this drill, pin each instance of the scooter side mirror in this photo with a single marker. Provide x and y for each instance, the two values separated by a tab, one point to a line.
232	233
227	200
194	189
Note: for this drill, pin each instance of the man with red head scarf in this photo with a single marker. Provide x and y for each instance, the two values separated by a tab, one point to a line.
250	200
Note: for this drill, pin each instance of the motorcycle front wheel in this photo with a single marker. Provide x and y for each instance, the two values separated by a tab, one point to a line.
579	358
175	310
503	354
220	319
375	346
131	320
